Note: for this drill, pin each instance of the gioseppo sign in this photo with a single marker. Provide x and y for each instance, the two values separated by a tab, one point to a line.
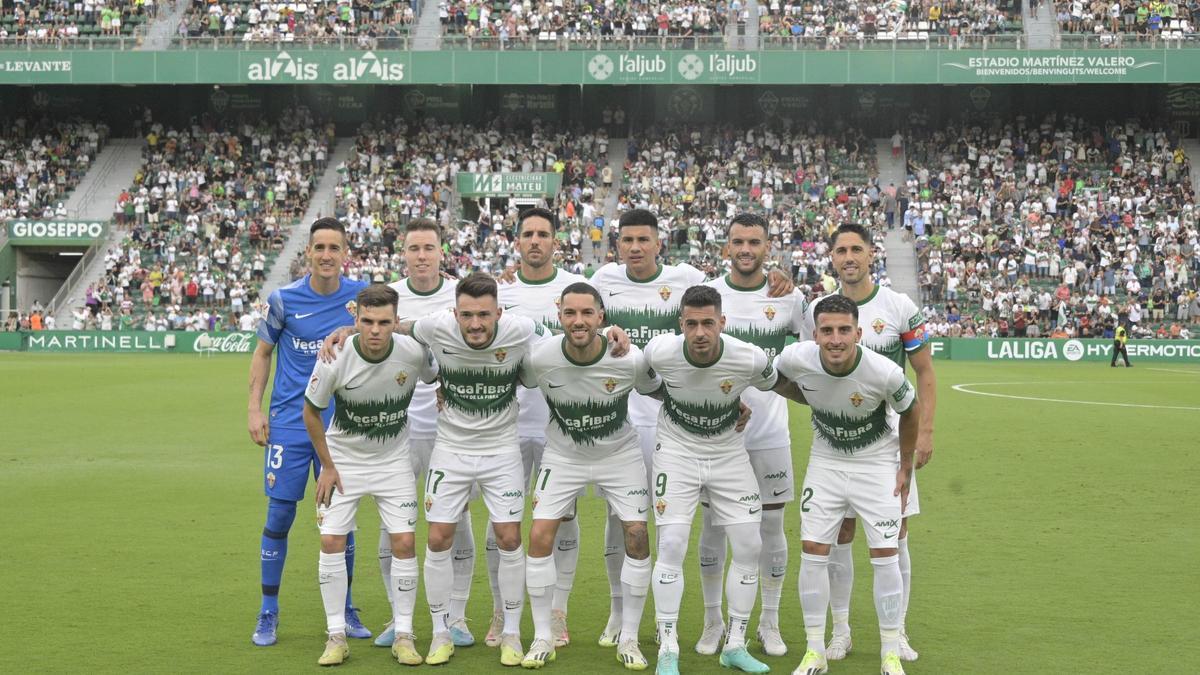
55	229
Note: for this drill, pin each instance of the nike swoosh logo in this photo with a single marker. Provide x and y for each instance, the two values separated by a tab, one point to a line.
779	492
608	554
406	590
708	564
753	511
348	388
611	293
664	583
508	307
749	583
642	510
513	513
564	550
412	522
889	536
555	386
304	316
776	576
807	388
447	352
463	557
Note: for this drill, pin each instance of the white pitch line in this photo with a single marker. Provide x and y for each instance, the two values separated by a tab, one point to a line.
1177	372
963	388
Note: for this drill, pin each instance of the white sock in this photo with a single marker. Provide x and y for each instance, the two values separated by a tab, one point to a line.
741	587
566	558
889	593
404	597
772	566
464	566
385	562
614	545
712	567
511	580
539	580
492	552
668	594
438	579
635	584
841	582
814	598
906	578
331	575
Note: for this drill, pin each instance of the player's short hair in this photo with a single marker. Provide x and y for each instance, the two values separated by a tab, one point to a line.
476	285
701	296
748	220
424	225
537	212
836	304
326	223
851	228
584	288
377	295
636	218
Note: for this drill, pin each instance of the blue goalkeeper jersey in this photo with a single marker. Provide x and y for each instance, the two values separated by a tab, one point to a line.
297	322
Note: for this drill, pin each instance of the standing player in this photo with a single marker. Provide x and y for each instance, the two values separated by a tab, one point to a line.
893	327
422	293
642	296
535	293
700	455
766	322
859	462
590	442
299	316
365	452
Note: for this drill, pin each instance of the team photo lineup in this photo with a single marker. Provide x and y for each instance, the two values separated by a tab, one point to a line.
530	389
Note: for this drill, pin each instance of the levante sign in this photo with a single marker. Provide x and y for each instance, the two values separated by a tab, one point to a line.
848	66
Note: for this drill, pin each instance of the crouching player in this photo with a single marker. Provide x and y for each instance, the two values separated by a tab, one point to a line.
589	441
365	451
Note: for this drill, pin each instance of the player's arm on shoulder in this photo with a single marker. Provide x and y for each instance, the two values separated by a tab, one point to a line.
618	339
800	328
787	374
645	379
779	283
649	365
430	367
333	343
695	275
765	376
527	372
260	372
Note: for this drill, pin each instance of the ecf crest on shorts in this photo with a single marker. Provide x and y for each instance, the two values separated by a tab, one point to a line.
660	506
270	479
428	502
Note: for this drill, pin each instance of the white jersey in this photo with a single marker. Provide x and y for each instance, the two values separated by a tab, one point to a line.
422	414
753	316
479	385
539	301
644	309
700	403
891	324
588	402
854	416
369	428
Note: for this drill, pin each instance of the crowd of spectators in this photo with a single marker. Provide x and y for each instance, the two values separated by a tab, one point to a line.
54	21
1112	20
41	161
314	20
571	19
839	21
1063	227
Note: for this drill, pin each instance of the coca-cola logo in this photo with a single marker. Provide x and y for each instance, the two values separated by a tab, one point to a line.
234	343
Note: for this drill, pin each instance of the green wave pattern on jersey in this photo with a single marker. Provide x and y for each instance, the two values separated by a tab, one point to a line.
770	341
847	433
379	420
643	324
586	422
702	419
479	391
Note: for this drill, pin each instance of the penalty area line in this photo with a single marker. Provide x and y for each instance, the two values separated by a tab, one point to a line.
964	389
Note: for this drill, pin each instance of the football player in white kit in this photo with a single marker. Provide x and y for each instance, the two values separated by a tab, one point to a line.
865	416
590	442
641	295
365	451
894	327
700	455
534	292
755	317
423	292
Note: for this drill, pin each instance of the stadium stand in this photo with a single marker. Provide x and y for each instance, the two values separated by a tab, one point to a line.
1062	227
41	161
44	22
519	23
316	21
1114	23
837	21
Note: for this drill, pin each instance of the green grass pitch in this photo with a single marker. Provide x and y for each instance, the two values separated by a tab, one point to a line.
1056	538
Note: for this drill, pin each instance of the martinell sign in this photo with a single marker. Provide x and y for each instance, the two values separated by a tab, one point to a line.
237	342
1035	349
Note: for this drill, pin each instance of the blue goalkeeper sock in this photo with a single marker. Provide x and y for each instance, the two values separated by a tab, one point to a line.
349	568
280	516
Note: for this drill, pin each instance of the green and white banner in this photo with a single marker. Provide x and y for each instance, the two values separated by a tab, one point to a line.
1045	349
509	184
220	342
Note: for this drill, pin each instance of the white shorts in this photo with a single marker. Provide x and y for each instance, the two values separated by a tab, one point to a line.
419	450
828	495
395	494
452	476
531	453
620	479
914	500
773	469
725	483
